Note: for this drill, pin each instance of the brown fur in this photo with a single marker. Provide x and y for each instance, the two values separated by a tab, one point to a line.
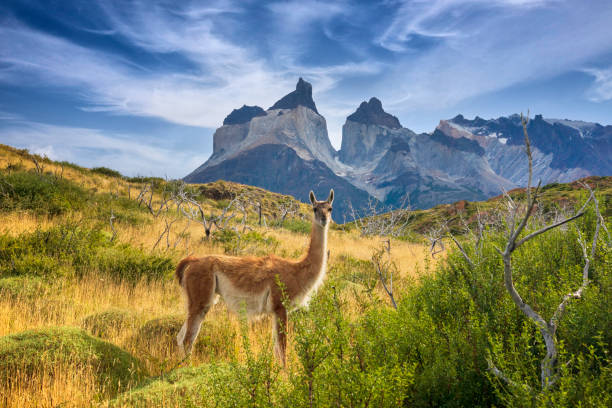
252	282
181	267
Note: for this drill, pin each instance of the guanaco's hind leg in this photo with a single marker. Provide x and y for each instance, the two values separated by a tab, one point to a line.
200	291
280	331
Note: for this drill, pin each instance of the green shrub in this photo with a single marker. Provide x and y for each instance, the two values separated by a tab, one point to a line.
107	172
22	287
69	250
251	241
109	322
297	225
40	193
142	179
34	350
215	339
123	262
186	387
45	194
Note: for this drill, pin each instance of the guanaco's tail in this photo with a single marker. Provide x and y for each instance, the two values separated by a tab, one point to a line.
180	268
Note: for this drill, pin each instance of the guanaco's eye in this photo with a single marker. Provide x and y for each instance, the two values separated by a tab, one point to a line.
314	210
330	209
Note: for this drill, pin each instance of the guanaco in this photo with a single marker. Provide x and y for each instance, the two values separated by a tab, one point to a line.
260	285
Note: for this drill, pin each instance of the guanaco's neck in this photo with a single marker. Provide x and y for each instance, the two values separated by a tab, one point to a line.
316	256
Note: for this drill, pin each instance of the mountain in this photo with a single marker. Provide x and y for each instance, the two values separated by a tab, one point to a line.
392	162
563	150
286	149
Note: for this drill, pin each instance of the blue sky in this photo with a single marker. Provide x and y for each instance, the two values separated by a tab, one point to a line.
140	86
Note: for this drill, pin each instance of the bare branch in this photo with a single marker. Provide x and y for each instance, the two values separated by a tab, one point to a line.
382	221
579	214
499	374
460	247
112	218
385	268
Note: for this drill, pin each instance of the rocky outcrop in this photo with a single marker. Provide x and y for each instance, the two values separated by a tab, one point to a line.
392	162
286	149
368	133
372	113
302	96
243	115
563	150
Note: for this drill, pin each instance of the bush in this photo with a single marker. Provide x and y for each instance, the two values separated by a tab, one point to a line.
22	287
41	350
40	193
252	241
215	339
122	262
297	225
185	387
69	250
109	322
107	172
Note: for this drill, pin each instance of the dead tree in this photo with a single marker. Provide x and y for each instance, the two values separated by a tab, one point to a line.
146	197
381	220
518	217
40	165
191	208
112	226
435	236
385	269
287	208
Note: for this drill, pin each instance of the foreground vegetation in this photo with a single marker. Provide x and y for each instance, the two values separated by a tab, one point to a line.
89	311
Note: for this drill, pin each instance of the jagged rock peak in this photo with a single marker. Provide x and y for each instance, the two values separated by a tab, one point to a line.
372	113
301	96
243	115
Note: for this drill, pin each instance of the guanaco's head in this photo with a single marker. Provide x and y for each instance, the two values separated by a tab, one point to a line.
322	209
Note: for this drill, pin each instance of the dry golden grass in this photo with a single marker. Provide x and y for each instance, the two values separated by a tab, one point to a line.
68	303
65	385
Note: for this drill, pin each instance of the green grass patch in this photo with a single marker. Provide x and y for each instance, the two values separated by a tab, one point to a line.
189	387
108	322
40	193
69	250
105	171
216	337
297	225
26	287
41	350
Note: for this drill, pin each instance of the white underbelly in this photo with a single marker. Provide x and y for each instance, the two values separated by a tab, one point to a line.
241	302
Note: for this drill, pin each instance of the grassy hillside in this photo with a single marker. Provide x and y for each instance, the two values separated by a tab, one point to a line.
561	197
89	310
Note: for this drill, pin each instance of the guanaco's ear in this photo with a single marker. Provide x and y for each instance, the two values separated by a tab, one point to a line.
330	199
313	199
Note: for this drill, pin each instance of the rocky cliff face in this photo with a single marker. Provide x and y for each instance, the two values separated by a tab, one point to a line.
302	96
390	161
562	150
286	149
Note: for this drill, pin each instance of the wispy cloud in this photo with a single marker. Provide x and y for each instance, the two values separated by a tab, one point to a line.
601	90
490	46
444	18
191	63
94	147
